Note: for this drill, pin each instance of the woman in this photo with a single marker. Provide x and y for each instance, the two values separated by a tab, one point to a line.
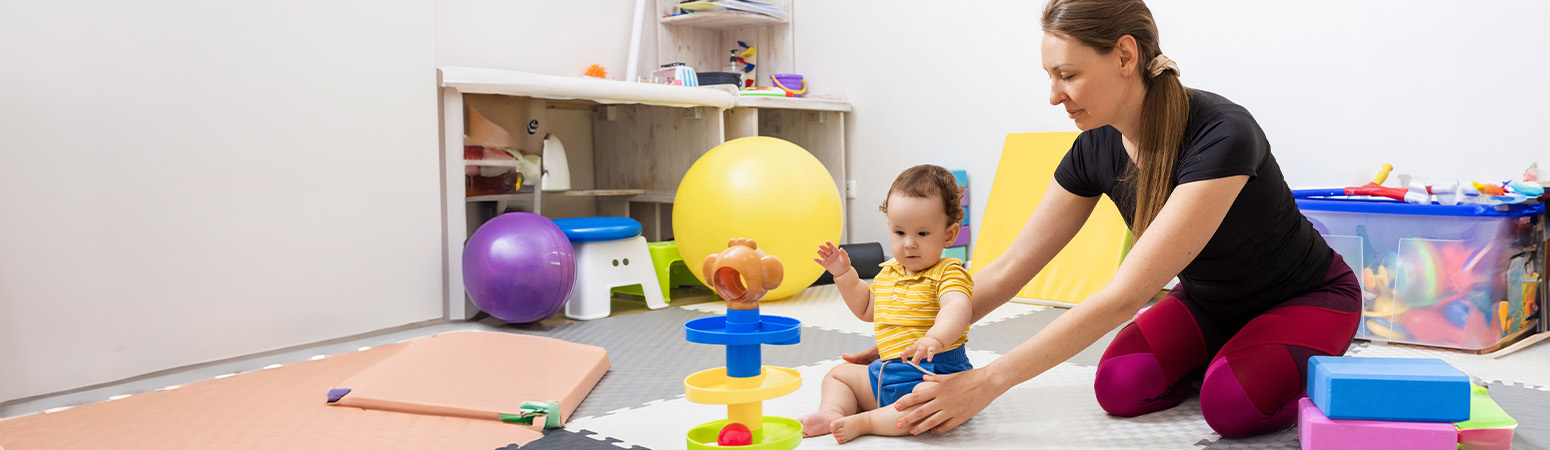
1259	290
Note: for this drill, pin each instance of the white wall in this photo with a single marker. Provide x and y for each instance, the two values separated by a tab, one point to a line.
1438	89
557	38
185	181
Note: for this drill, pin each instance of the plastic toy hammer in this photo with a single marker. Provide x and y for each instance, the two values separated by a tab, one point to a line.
1374	188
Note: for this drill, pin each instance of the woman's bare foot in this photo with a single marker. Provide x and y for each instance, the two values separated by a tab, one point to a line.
817	424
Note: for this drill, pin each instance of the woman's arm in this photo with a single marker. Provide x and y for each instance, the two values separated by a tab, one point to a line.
1183	227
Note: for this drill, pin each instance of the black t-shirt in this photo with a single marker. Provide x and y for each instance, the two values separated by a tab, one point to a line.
1265	252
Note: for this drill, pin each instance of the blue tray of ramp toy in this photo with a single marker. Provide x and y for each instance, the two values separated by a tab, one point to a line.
773	330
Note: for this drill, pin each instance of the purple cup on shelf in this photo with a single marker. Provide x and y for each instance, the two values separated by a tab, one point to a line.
792	83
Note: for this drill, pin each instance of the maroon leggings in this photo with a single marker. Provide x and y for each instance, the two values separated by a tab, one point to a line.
1255	373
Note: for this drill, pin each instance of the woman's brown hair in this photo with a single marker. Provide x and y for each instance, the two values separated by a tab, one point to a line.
1165	109
926	181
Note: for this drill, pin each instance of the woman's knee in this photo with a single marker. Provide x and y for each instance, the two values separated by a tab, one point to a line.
1133	384
1235	410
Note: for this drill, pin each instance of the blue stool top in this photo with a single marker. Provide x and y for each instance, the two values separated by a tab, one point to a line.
598	229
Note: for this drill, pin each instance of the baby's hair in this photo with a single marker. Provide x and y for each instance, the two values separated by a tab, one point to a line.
926	181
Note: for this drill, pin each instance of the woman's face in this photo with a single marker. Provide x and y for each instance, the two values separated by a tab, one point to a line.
1092	87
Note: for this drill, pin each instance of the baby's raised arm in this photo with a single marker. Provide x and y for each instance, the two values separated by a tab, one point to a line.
857	295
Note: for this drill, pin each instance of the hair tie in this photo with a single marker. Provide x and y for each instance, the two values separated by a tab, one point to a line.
1162	63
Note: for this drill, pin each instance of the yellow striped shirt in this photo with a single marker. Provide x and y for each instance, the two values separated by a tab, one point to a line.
904	306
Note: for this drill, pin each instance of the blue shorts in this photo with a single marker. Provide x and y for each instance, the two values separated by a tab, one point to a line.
894	378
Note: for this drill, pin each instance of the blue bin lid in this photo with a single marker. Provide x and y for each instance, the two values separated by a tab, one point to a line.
598	229
1390	206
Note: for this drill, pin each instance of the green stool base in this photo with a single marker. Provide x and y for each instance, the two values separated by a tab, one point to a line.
671	271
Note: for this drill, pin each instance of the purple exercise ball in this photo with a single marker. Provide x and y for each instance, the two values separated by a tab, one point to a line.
519	267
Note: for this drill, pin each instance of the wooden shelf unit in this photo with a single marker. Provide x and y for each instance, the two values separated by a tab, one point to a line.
628	144
705	40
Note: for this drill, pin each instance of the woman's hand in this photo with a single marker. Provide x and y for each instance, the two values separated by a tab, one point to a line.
833	259
924	348
952	400
863	357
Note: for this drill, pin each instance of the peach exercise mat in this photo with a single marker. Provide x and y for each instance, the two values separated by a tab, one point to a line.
285	407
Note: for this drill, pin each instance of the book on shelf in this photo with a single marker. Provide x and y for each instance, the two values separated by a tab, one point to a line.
747	6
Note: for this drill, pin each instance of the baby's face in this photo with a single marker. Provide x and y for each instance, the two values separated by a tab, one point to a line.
918	230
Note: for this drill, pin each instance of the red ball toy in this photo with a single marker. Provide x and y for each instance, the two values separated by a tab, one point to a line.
734	434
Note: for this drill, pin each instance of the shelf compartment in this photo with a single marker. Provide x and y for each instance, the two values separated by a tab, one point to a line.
528	196
474	80
722	20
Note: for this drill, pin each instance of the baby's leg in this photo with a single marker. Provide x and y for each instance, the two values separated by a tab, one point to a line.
881	421
846	390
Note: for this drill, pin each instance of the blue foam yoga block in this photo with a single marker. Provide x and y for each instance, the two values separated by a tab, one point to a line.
1394	389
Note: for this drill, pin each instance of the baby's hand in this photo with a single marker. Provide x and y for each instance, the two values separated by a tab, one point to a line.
924	348
833	259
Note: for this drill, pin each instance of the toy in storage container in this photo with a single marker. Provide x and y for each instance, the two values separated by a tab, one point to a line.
1458	276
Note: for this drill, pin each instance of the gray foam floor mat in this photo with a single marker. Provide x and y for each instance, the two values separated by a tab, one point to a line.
1530	405
563	439
1281	440
659	333
639	403
650	357
1001	337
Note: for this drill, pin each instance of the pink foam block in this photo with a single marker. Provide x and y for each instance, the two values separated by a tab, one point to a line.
1486	439
1318	432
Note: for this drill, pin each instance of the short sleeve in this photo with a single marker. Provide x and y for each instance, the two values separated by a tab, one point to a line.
954	278
1078	170
1230	145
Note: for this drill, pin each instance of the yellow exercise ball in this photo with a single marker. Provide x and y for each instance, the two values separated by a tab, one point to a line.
765	189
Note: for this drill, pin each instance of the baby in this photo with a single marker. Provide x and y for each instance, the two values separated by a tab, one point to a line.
918	303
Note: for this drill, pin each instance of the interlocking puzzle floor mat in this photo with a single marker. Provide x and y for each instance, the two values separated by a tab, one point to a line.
639	403
477	375
285	406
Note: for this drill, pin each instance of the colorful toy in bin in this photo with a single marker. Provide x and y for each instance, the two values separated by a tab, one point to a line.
1447	193
1374	188
1435	274
741	275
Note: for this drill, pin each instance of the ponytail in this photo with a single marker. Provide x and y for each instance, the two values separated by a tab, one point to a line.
1164	113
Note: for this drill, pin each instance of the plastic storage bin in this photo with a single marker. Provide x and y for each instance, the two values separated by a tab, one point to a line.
1464	276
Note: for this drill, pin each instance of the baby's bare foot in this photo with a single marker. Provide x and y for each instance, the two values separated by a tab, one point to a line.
817	424
847	428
